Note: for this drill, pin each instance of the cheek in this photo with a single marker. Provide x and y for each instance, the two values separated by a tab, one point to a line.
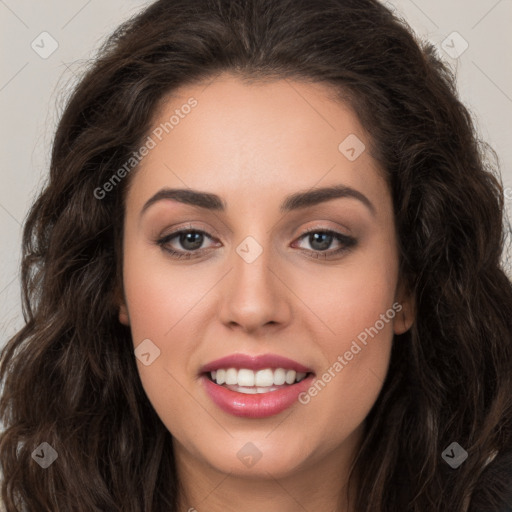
160	295
165	305
351	297
356	314
160	309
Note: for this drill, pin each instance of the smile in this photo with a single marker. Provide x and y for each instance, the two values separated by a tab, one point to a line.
255	386
248	381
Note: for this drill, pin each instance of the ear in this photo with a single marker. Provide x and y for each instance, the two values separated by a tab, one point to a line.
123	309
406	313
123	314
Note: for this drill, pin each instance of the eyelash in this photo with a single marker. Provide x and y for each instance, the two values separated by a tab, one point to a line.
346	242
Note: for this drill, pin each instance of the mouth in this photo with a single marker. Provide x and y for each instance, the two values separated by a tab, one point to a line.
250	382
255	387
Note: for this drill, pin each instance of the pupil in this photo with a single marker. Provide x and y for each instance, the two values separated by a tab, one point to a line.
323	245
188	242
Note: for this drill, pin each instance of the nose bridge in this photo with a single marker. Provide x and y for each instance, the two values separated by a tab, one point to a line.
253	278
253	295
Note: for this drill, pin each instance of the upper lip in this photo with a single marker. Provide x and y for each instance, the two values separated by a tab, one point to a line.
254	363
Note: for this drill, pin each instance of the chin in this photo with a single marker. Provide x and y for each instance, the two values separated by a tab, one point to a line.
255	457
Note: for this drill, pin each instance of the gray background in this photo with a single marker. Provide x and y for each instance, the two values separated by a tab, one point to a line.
33	88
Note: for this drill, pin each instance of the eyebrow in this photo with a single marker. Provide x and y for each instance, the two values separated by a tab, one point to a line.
296	201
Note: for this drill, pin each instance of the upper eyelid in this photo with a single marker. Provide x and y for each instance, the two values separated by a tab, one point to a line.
185	230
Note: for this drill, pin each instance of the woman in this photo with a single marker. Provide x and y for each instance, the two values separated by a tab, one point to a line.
264	273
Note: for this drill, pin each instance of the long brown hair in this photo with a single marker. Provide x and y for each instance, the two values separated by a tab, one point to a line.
69	374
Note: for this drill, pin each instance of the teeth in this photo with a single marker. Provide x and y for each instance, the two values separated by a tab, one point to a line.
256	382
290	376
264	378
231	376
246	378
279	377
220	376
252	390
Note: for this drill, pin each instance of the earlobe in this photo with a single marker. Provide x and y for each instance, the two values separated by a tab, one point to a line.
406	316
403	322
120	301
123	314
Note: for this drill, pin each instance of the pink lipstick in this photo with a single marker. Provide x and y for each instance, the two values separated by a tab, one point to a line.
255	386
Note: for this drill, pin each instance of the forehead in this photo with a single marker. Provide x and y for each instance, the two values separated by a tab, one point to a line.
257	140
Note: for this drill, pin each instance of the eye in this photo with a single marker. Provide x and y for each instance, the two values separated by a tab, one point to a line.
321	239
190	240
190	243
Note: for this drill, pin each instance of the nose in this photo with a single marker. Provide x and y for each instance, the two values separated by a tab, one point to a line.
254	296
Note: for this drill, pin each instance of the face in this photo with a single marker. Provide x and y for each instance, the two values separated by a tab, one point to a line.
282	280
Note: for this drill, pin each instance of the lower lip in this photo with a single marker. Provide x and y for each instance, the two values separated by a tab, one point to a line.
260	405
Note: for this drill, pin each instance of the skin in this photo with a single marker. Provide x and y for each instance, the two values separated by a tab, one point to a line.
253	145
